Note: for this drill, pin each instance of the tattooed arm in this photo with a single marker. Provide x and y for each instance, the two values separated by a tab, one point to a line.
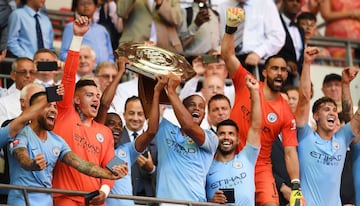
91	169
348	74
22	156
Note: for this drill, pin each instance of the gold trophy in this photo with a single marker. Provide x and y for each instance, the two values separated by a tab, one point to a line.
149	61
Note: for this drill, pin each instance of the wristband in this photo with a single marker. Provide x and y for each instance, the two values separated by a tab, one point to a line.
105	189
230	29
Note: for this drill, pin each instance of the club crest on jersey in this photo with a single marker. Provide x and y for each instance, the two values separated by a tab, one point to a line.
56	151
237	165
272	117
122	153
190	141
335	145
99	137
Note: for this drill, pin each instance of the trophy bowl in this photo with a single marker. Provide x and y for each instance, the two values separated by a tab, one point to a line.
150	61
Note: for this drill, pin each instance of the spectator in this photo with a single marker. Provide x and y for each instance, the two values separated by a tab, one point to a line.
307	21
343	14
227	165
30	29
200	30
105	73
47	78
218	110
22	72
111	21
93	141
32	159
311	6
125	90
208	65
107	100
293	95
185	153
331	87
322	174
277	117
87	62
97	38
143	173
6	7
293	48
154	21
130	152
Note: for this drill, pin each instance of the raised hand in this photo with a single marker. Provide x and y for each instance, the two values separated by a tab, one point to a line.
251	83
162	81
310	53
234	16
202	17
348	74
122	62
174	81
81	25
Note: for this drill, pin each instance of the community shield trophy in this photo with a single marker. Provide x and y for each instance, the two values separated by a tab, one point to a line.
149	61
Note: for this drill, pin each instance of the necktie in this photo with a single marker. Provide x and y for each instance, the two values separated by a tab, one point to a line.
134	134
40	42
240	30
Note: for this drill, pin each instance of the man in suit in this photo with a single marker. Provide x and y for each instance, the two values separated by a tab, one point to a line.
143	171
292	51
154	21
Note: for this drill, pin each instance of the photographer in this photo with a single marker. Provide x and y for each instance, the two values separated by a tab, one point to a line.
199	32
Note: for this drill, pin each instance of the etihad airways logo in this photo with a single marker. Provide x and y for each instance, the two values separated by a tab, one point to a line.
229	182
331	160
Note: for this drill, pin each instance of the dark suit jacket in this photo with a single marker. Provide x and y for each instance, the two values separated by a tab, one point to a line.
143	182
279	168
288	50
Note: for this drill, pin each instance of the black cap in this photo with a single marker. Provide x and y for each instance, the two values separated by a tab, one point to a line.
331	77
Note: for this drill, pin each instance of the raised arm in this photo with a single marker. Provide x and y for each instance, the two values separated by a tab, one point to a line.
145	138
233	18
110	91
81	26
93	170
182	114
303	106
18	123
254	132
348	74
